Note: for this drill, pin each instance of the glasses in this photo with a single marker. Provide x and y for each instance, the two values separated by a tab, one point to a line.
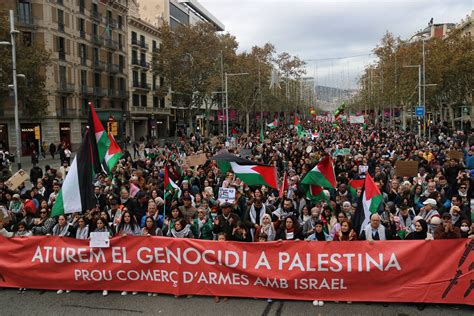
463	187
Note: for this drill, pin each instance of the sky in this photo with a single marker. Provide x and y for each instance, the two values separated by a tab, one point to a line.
317	29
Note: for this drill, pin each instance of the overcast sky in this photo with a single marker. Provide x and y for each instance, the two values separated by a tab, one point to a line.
317	29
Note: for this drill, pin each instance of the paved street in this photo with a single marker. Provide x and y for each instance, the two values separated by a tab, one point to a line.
49	303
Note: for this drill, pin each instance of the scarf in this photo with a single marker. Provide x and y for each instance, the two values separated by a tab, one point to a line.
269	230
61	231
81	233
253	214
290	233
320	236
127	230
380	230
183	233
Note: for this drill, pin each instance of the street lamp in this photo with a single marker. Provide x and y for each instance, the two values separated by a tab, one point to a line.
419	92
13	33
227	100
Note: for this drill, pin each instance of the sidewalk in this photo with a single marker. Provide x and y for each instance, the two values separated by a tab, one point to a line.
26	163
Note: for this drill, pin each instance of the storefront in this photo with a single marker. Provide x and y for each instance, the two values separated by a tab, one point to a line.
65	133
4	137
28	140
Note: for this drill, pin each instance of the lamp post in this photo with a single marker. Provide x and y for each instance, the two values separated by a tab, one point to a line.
419	92
13	33
227	100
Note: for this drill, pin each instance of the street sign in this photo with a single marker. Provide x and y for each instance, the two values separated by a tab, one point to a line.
420	111
37	133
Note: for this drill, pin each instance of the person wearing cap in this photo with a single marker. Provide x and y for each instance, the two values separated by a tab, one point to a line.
226	222
428	211
447	230
16	205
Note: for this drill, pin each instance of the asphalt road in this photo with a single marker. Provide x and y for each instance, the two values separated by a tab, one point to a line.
34	302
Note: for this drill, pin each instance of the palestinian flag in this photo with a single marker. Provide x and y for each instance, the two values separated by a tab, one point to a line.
284	185
297	120
322	174
368	204
354	185
99	139
77	192
250	172
316	193
273	124
300	132
170	185
316	135
114	153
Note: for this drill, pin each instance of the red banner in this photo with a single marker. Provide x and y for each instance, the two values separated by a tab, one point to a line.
392	271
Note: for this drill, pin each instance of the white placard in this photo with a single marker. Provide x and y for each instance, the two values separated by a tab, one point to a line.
99	240
226	195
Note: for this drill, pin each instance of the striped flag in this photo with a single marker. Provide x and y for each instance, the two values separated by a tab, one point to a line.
77	192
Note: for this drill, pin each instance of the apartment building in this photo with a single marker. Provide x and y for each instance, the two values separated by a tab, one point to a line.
149	99
88	44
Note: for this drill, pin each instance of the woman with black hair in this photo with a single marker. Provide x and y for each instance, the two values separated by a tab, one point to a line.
82	230
150	228
128	226
181	229
290	230
169	222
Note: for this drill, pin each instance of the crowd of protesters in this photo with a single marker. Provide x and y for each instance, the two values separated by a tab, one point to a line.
435	203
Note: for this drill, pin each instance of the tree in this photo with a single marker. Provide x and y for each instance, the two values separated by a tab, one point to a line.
31	61
189	59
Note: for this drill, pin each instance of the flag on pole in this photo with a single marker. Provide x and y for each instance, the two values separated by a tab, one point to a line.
262	135
77	192
322	174
170	185
99	140
250	172
284	185
273	124
368	204
114	153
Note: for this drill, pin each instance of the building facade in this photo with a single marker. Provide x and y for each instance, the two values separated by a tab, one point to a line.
88	44
149	102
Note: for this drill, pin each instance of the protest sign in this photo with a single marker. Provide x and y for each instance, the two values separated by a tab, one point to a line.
16	180
226	195
342	152
195	160
382	271
456	154
356	119
406	168
99	240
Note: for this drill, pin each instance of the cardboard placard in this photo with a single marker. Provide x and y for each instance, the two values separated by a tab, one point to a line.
195	160
406	168
214	140
18	178
226	195
456	154
99	240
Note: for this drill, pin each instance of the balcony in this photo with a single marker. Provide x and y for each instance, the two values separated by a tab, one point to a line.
96	39
149	110
135	62
61	27
141	86
98	65
111	93
86	90
99	92
96	16
64	87
113	69
144	64
26	21
122	94
111	44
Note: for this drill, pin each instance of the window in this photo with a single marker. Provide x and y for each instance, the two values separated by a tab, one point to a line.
134	37
155	102
153	45
136	100
60	20
27	38
84	106
82	5
154	82
120	21
120	41
62	48
178	14
135	78
62	75
82	28
142	58
83	78
95	29
134	57
142	40
121	63
95	8
122	84
143	101
111	83
64	106
24	13
162	102
143	79
96	55
97	80
110	58
109	15
83	53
